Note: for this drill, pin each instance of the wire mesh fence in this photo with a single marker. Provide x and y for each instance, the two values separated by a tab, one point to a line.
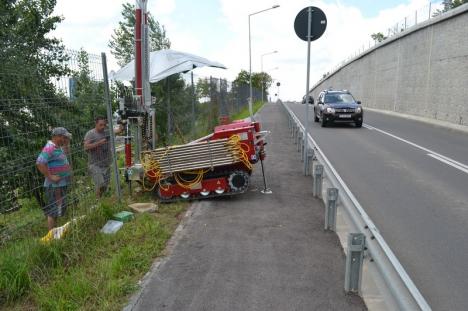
31	105
191	109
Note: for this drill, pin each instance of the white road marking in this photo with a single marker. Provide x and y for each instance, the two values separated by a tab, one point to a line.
431	153
448	162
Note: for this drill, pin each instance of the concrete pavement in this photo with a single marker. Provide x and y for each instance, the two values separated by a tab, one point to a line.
255	251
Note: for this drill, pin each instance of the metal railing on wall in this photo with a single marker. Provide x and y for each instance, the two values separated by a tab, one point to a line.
431	10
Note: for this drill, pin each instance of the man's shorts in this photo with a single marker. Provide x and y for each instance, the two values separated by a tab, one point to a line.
100	175
56	201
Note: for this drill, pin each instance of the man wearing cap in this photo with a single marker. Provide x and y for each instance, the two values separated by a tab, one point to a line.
52	162
96	144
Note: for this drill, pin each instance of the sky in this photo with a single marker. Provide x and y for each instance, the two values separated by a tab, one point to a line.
218	30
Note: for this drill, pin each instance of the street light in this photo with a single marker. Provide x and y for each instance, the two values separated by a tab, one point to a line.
250	60
261	62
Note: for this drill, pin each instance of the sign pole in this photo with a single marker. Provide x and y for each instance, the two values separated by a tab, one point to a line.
306	134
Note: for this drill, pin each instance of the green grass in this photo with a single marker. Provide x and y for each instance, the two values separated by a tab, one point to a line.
86	270
244	113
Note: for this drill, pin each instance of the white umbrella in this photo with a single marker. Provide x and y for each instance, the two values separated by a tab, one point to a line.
164	63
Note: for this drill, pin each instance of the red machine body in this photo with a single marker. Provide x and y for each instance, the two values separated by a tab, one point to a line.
224	180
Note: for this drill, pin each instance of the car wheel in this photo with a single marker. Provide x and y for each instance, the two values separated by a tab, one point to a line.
324	123
359	124
316	119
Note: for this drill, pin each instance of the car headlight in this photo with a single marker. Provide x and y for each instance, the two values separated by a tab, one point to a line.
358	110
330	110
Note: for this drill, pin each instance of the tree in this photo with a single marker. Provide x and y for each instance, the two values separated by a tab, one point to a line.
448	5
457	3
378	37
203	88
242	78
89	93
122	41
242	83
261	80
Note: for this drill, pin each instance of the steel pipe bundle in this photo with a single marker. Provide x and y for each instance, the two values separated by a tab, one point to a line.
201	155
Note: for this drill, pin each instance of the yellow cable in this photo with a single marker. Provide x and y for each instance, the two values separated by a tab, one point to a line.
152	167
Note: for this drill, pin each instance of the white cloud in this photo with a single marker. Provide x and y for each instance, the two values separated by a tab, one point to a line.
90	23
347	32
162	7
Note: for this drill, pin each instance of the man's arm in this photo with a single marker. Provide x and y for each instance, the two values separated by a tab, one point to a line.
88	145
45	171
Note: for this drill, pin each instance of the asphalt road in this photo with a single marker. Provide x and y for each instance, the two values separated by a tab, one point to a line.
412	180
255	251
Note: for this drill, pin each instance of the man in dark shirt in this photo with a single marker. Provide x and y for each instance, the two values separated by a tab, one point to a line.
96	144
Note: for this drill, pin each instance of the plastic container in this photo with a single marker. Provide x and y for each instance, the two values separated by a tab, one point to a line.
112	226
123	216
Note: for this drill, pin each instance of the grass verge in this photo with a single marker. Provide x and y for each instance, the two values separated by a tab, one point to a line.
244	113
87	270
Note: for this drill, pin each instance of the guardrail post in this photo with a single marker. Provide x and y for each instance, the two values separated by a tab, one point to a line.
310	158
318	179
289	121
302	150
354	262
330	210
299	141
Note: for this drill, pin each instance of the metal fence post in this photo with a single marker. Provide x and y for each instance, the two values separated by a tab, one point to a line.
354	262
318	179
330	210
118	191
310	158
193	107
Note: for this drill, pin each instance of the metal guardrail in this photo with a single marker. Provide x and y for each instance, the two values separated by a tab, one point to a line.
401	287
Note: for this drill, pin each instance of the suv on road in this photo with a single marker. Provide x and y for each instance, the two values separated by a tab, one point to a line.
337	106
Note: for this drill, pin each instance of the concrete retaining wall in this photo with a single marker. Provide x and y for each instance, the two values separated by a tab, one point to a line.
422	71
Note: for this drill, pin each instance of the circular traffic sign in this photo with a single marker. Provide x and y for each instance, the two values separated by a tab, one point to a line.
278	84
318	24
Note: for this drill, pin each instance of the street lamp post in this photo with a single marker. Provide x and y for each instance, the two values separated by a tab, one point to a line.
261	66
250	60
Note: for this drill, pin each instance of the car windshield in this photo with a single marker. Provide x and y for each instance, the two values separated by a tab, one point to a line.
339	98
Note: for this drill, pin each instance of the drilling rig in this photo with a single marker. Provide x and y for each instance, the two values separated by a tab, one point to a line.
216	165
